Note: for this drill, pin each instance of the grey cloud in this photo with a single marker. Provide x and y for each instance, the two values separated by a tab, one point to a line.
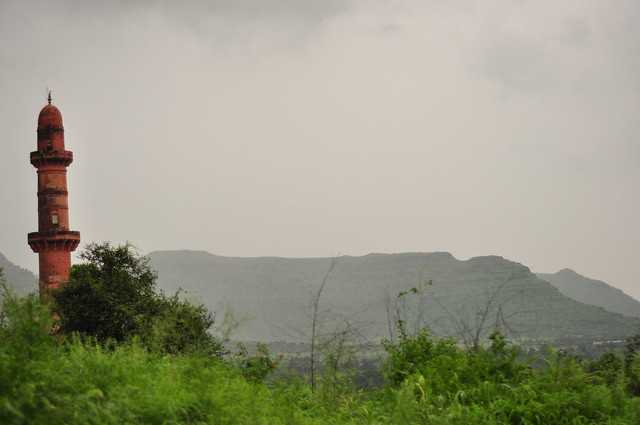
388	131
561	48
306	10
517	63
578	33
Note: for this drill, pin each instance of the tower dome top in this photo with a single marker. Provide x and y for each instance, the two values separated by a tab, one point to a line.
50	116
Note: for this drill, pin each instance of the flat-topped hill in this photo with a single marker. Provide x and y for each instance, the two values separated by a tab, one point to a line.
275	294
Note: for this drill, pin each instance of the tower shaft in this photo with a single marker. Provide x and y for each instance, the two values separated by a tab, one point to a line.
53	241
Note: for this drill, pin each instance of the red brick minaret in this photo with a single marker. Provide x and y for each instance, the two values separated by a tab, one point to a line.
53	241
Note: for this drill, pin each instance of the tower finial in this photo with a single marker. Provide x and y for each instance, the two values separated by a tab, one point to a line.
49	97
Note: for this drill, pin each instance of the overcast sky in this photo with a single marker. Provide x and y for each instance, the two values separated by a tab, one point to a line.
310	128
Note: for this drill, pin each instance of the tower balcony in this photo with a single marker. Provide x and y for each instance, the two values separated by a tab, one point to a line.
55	240
40	158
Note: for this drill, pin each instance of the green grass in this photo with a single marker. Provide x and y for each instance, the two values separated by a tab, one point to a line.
46	380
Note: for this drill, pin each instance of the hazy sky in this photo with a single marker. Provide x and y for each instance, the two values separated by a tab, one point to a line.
312	127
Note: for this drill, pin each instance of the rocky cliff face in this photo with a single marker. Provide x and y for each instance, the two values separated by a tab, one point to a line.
593	292
19	279
274	294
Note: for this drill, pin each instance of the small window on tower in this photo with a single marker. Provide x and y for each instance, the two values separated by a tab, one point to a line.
54	219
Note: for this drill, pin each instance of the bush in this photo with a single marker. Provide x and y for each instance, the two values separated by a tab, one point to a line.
634	375
48	379
255	367
411	353
608	369
43	381
434	381
181	327
112	296
632	353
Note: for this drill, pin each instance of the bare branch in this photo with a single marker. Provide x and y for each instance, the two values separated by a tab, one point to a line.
314	322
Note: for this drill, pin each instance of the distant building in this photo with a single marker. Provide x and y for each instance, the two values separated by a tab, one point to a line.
53	241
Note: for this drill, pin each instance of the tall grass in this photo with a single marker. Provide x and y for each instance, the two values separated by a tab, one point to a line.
46	380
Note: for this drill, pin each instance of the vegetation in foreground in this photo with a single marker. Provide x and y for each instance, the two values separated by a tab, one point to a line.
80	377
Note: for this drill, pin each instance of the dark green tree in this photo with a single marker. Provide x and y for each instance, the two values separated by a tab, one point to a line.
609	368
632	347
182	327
632	354
112	296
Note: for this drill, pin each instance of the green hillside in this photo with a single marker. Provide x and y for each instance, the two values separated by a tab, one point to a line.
593	292
21	280
275	295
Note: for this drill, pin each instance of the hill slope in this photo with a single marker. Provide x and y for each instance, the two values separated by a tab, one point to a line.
21	280
276	292
593	292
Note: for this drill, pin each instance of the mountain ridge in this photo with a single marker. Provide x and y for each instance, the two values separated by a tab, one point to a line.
276	291
274	278
593	292
19	279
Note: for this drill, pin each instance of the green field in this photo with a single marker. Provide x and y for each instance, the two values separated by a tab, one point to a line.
50	379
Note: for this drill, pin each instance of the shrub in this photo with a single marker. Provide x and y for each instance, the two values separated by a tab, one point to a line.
44	381
255	367
608	369
181	327
634	374
433	381
113	296
632	351
411	353
47	379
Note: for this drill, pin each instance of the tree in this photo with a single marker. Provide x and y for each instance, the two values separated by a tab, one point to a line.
257	366
339	361
109	296
609	368
632	363
182	327
632	348
315	310
342	336
486	317
398	310
112	296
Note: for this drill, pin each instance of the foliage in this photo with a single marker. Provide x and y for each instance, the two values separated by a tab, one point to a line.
632	347
632	352
336	382
410	353
634	375
437	382
112	296
24	331
608	369
45	379
255	367
181	327
77	382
